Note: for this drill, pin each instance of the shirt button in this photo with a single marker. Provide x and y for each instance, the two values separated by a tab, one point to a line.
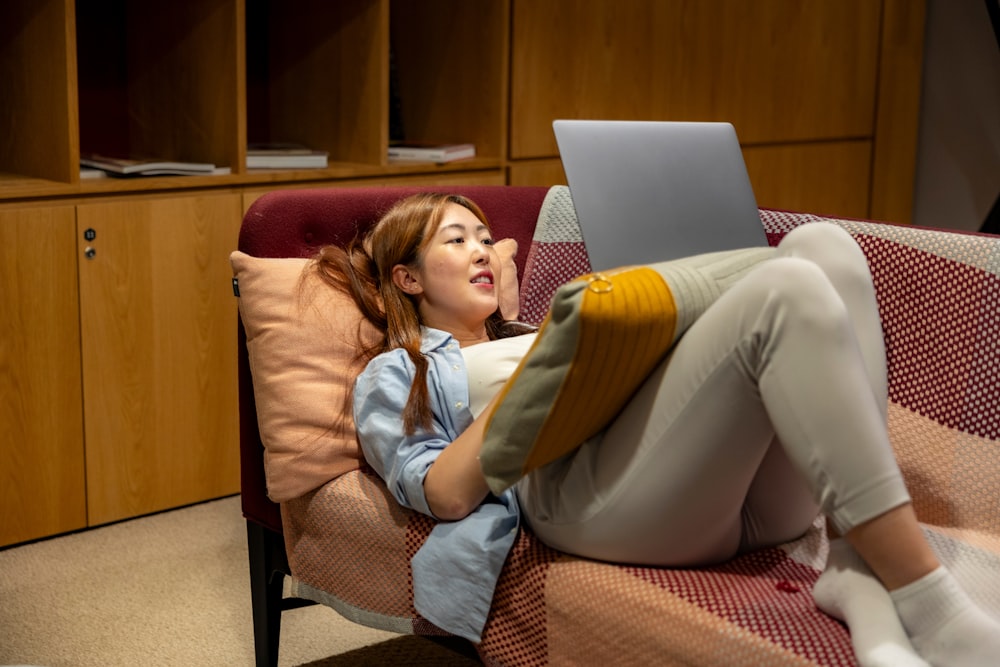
459	404
456	367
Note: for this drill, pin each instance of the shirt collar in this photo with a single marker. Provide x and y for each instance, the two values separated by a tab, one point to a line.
432	339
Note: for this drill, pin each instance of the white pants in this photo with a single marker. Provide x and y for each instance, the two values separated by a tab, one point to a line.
771	408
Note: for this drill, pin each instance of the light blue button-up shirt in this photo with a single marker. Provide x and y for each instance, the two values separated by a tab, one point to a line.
455	572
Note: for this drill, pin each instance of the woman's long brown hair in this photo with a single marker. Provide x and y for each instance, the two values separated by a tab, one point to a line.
364	271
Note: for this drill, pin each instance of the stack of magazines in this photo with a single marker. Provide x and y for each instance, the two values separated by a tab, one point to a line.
285	156
404	151
120	166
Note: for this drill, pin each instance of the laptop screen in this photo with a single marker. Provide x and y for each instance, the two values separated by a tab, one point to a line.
650	191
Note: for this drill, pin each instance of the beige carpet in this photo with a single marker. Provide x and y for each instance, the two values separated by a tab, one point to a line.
169	589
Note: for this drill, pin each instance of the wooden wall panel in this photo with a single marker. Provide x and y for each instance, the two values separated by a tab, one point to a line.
828	80
897	126
537	172
780	71
823	178
829	178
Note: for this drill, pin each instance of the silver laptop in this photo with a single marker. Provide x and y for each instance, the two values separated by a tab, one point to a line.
649	191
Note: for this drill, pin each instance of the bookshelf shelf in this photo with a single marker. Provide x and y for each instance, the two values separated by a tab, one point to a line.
160	80
199	80
317	75
450	64
38	102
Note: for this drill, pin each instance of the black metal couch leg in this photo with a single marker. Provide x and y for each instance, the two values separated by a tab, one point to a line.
266	585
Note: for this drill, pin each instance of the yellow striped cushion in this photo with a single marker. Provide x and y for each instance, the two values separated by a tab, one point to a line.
604	335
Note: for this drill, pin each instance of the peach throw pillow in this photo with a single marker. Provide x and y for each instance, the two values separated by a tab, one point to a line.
303	345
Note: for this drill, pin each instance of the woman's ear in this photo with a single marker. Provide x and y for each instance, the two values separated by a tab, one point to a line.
406	280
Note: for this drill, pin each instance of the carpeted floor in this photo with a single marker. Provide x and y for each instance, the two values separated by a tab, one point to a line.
169	589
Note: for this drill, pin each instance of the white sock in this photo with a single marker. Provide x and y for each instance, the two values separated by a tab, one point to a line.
946	627
848	591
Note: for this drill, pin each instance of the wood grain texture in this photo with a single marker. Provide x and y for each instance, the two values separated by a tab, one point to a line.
162	80
823	178
897	121
779	71
41	422
182	80
159	359
319	76
452	61
537	172
830	178
38	89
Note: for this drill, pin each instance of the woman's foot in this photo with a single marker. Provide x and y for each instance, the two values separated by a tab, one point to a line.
946	627
848	591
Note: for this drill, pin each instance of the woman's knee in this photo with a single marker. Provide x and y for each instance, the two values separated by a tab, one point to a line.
791	275
800	292
818	235
831	247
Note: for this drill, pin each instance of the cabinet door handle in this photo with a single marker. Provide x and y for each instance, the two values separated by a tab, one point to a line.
89	252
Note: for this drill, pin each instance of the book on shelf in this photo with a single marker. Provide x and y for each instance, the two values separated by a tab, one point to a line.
148	167
285	156
89	173
408	151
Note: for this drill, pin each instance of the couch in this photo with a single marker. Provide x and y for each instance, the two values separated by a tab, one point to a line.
318	516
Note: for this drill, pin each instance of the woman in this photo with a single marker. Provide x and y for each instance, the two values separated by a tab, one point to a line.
771	408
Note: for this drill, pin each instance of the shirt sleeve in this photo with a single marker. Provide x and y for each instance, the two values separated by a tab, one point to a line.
402	460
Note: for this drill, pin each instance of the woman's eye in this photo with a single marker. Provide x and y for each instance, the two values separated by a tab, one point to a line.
488	241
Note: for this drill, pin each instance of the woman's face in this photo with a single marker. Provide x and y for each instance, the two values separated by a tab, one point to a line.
455	283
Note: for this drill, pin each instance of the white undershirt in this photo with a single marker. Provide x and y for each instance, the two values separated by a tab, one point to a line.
489	365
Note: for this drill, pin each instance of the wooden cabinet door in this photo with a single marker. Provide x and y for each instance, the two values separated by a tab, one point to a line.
158	328
41	423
